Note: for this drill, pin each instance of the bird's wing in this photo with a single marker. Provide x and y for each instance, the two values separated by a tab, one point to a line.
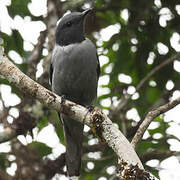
54	56
98	67
50	73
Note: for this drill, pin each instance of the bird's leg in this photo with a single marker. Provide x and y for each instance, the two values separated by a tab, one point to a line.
89	107
96	124
63	99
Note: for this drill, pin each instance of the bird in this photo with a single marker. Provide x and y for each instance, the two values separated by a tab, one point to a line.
74	74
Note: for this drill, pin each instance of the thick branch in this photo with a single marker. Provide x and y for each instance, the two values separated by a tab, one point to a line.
110	132
149	118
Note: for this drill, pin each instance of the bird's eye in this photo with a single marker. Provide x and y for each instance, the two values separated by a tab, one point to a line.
68	24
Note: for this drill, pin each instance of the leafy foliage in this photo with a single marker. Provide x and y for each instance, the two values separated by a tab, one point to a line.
13	42
40	148
19	7
143	42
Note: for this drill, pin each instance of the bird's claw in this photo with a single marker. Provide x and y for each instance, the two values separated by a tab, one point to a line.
63	99
90	108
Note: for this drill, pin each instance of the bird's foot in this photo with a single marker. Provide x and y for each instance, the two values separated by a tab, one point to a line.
63	99
90	108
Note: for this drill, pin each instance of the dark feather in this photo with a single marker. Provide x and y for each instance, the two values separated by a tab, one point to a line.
98	67
50	73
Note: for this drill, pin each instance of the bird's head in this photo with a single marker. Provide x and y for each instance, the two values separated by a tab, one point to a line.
71	28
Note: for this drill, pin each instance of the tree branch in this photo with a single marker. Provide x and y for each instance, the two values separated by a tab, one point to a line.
7	134
158	154
4	175
113	137
51	167
149	118
127	97
156	69
33	60
94	148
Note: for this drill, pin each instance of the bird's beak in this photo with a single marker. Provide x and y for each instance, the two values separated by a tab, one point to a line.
87	11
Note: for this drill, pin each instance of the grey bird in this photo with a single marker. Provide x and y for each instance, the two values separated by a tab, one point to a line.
74	73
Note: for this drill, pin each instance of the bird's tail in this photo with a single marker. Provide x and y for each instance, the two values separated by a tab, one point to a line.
74	136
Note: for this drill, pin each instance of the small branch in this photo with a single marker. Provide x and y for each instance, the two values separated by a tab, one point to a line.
7	134
149	118
51	167
22	124
156	69
4	113
113	137
158	154
36	54
94	148
127	97
37	51
4	175
50	20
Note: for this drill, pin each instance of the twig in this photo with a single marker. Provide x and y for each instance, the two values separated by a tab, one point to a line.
94	148
149	118
113	137
36	54
7	134
4	113
4	175
157	68
37	51
127	97
50	20
51	167
158	154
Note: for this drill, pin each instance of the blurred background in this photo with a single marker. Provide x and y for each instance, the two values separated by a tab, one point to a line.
132	38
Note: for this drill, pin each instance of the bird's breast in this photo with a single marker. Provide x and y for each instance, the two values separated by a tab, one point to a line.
75	70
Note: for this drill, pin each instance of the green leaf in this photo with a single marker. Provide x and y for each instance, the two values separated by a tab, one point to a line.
99	3
4	163
40	148
13	42
54	119
43	123
19	7
152	94
154	171
60	133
